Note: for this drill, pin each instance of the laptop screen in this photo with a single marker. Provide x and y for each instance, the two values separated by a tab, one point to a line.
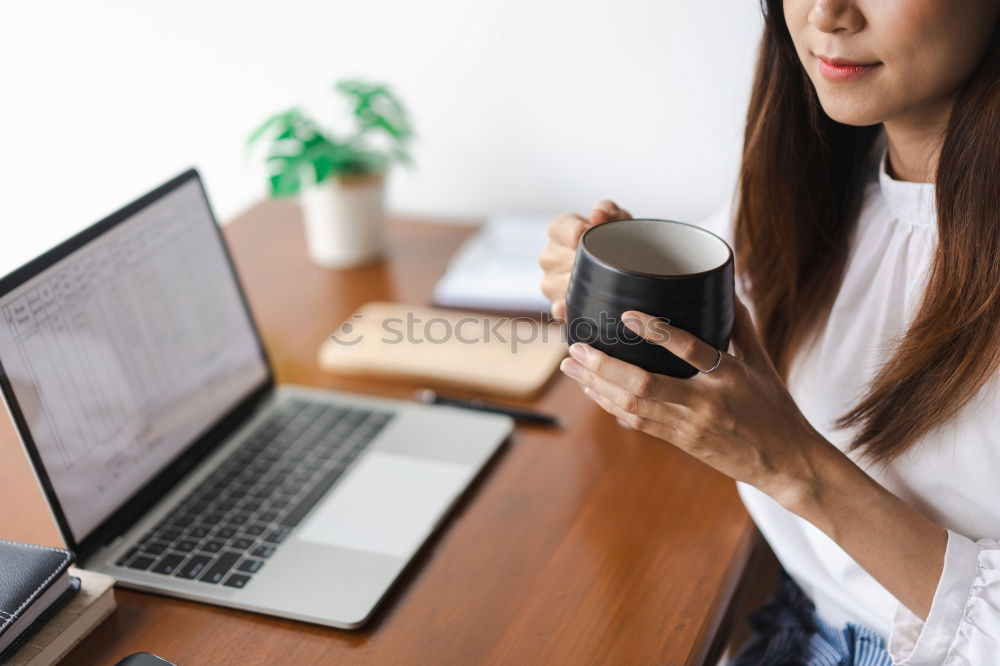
120	354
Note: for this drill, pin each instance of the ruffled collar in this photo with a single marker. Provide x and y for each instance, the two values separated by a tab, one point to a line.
910	203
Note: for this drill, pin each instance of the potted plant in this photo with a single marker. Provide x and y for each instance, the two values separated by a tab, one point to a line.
340	181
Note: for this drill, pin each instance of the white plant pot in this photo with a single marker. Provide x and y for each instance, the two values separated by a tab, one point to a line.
344	220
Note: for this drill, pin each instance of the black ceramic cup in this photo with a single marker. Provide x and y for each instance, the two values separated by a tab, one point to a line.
675	271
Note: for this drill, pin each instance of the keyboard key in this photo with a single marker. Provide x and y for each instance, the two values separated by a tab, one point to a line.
289	487
212	546
263	551
169	534
268	516
235	489
225	532
198	531
184	545
142	562
242	543
238	518
250	566
154	548
256	529
168	563
127	556
182	521
237	580
277	535
194	566
354	417
221	567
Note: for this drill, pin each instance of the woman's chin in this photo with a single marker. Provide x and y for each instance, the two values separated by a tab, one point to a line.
849	111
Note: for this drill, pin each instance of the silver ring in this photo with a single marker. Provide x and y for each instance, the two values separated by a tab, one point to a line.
715	367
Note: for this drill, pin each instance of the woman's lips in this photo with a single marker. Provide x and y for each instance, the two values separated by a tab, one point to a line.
838	69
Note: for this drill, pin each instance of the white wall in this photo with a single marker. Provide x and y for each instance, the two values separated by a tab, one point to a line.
521	105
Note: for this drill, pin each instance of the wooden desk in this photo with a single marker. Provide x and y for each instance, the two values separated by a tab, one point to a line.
590	545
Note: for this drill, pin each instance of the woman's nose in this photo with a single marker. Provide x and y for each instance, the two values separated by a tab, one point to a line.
836	16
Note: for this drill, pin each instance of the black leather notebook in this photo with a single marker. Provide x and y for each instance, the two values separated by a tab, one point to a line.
34	584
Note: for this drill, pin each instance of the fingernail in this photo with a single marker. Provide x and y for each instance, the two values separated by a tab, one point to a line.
578	351
570	368
632	322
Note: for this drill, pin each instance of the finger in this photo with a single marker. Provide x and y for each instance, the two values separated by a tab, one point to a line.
556	257
655	428
627	377
554	286
682	344
627	402
607	210
559	309
567	228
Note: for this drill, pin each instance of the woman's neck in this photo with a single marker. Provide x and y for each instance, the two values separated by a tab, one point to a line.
914	143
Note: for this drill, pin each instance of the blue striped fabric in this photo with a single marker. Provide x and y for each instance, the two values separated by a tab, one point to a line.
853	645
788	632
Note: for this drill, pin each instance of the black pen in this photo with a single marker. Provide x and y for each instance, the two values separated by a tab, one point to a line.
522	415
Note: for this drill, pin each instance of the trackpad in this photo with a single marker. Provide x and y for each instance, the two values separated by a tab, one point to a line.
386	504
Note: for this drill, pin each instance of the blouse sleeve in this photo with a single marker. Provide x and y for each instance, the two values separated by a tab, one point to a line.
963	626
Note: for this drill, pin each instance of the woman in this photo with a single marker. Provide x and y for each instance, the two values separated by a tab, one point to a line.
867	239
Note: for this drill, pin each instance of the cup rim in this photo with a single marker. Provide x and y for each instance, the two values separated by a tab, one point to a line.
659	276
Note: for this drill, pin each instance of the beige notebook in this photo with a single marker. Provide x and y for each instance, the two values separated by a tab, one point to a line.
86	610
501	356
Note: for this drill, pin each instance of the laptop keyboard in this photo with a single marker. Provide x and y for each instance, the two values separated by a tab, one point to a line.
227	528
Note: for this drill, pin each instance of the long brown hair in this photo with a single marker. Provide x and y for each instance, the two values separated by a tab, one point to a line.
801	185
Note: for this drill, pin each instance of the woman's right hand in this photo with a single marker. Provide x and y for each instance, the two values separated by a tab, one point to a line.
557	257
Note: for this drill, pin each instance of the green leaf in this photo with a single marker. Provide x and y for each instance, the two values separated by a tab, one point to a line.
322	168
376	107
285	183
278	122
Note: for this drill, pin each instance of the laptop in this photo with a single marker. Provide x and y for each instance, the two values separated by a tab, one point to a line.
142	393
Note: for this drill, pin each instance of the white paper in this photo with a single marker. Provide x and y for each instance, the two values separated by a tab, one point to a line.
497	268
387	504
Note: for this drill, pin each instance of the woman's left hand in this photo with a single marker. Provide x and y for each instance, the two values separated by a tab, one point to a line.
739	418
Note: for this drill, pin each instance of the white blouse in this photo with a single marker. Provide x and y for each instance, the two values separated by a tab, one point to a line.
952	475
